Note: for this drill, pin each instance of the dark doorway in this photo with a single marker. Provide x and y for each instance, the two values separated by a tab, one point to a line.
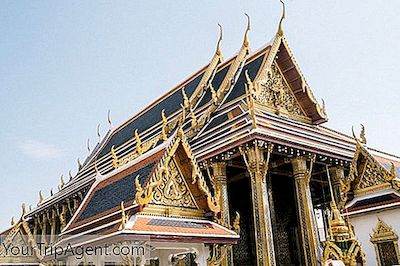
285	226
239	193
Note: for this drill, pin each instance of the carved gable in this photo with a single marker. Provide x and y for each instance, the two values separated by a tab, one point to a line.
275	93
373	175
173	190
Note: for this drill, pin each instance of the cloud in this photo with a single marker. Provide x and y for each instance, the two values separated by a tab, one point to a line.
39	150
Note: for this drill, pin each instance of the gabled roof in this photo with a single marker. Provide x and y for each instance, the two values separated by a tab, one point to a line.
166	177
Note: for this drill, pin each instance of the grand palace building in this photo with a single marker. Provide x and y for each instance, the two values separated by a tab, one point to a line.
233	166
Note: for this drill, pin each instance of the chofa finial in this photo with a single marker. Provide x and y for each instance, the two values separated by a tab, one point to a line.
79	164
88	145
98	132
109	118
62	182
362	135
246	33
218	51
40	197
70	175
23	208
280	30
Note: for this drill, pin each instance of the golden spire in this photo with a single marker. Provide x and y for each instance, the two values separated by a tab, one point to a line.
218	51
40	197
109	118
98	132
280	30
362	135
138	143
246	33
338	228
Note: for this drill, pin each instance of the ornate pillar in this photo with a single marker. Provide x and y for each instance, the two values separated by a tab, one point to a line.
336	173
53	226
219	175
305	209
44	229
257	166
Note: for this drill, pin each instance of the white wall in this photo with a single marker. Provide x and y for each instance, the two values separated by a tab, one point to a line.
364	225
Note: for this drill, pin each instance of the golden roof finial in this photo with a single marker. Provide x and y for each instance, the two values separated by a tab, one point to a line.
40	197
70	175
280	30
62	182
362	135
79	164
98	132
186	102
246	33
23	208
109	118
12	221
164	126
138	143
88	145
218	51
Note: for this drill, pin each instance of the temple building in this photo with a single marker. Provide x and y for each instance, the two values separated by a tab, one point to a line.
233	166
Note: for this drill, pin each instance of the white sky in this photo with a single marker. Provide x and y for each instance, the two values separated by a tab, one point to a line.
64	64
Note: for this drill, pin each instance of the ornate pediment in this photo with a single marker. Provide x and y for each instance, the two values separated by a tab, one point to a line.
173	190
373	175
275	93
383	232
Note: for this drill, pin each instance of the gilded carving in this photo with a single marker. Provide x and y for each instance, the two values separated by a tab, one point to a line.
274	92
173	189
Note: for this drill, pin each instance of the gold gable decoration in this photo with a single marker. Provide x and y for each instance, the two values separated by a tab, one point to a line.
384	234
367	174
173	190
273	92
158	189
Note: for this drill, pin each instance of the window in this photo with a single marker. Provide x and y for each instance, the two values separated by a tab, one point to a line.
386	244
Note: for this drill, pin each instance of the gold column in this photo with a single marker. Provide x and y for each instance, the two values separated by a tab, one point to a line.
337	174
219	176
257	166
305	210
44	229
53	226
